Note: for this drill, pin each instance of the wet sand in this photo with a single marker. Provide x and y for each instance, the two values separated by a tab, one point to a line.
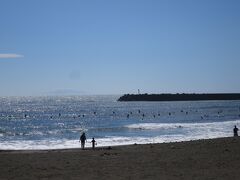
204	159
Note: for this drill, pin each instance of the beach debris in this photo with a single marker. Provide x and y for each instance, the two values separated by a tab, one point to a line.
109	154
226	150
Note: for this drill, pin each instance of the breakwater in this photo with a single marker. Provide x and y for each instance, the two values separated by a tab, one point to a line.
180	97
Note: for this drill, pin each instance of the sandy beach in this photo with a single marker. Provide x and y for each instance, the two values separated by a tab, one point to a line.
202	159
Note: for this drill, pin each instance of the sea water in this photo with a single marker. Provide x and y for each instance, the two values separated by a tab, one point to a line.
57	122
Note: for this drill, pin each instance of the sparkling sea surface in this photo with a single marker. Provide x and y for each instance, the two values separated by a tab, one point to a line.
56	122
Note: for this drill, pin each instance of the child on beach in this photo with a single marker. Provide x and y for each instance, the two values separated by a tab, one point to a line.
93	143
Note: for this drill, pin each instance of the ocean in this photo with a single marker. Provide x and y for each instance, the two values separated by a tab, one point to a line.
28	123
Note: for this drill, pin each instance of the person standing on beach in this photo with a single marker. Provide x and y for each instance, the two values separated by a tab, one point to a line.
83	139
93	143
235	131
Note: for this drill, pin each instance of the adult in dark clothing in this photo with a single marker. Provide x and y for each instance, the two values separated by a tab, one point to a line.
83	139
235	131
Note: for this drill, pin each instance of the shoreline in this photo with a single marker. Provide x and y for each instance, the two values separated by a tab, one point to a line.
107	146
97	148
103	147
199	159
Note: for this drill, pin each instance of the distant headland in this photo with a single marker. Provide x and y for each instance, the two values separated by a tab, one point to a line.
180	97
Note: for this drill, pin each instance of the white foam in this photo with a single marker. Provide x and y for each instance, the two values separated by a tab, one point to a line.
66	144
155	126
39	145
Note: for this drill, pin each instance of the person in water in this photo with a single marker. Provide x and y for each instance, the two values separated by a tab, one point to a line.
235	131
93	143
83	139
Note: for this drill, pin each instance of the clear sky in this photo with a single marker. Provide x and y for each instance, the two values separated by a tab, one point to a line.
59	47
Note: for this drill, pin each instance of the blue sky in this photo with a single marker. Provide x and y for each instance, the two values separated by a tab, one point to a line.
60	47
